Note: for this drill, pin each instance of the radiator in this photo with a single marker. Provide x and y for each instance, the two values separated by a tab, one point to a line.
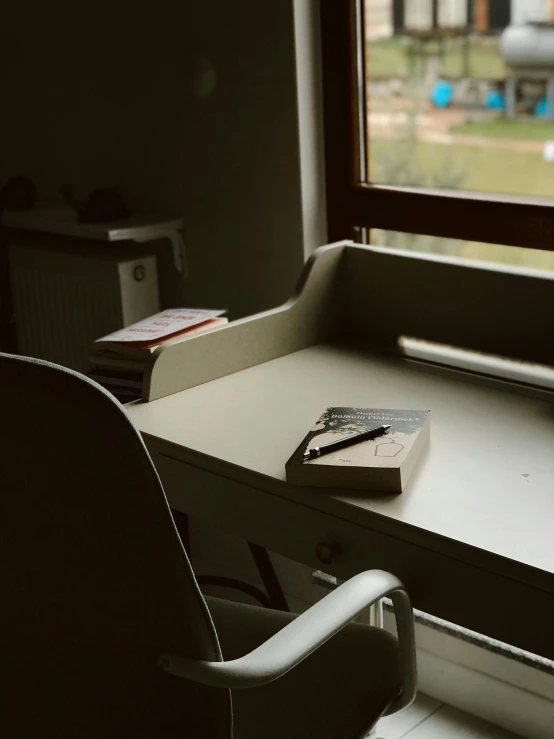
64	300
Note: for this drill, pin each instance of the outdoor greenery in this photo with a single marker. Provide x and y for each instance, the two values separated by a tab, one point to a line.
467	249
471	168
394	57
403	158
486	169
401	161
500	128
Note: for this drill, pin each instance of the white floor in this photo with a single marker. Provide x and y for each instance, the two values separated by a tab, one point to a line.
427	718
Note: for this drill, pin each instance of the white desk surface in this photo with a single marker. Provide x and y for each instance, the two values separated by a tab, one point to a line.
487	479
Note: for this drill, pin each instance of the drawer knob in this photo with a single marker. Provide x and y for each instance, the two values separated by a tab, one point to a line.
326	551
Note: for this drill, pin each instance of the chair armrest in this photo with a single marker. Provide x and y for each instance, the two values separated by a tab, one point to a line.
305	634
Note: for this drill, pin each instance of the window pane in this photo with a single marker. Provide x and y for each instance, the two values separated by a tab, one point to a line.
497	253
460	94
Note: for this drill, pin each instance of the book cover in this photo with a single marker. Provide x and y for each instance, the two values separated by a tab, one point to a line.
160	326
142	350
384	463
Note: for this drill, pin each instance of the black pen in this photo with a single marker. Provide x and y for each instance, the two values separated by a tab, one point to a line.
333	446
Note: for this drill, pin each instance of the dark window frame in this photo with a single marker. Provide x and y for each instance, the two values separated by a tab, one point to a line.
353	204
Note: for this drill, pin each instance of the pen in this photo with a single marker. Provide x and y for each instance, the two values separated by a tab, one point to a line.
333	446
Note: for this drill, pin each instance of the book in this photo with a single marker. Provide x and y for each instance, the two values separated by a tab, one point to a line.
119	360
113	362
133	381
141	339
130	355
384	463
125	386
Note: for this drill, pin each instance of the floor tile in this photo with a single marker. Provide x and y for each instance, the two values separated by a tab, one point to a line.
398	725
450	723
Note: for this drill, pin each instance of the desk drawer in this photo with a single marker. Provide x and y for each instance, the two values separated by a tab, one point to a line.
280	525
449	588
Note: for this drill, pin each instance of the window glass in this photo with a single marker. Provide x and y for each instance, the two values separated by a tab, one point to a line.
513	255
460	94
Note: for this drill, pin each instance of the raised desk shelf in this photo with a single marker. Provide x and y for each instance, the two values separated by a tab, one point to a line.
472	534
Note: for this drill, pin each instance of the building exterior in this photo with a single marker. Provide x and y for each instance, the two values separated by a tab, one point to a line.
484	16
420	17
531	11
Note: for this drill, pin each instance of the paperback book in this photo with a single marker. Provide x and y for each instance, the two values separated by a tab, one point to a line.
384	463
120	360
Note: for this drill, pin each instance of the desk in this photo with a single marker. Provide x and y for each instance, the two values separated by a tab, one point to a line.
471	537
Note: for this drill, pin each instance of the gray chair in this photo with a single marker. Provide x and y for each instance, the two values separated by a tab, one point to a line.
104	632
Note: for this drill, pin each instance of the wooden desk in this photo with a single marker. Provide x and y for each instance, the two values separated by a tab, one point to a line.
471	536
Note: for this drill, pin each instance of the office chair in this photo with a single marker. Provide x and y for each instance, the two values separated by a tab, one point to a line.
104	631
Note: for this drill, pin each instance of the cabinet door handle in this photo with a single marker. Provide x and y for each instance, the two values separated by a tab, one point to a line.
327	551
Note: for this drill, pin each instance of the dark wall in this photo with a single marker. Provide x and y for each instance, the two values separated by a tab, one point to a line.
121	94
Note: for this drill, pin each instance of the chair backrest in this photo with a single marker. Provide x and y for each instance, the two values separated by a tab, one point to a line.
95	581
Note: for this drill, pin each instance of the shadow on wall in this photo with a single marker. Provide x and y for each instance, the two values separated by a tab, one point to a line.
189	108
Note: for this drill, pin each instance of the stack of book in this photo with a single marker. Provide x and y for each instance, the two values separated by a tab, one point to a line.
119	361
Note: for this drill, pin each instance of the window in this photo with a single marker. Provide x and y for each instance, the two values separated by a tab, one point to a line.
436	128
404	169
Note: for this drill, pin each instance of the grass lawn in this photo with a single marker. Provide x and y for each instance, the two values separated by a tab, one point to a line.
391	57
535	130
514	255
486	170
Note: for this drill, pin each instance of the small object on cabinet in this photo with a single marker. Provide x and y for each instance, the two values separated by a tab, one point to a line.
104	205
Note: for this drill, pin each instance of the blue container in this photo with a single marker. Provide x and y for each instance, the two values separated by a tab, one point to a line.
441	95
495	100
542	108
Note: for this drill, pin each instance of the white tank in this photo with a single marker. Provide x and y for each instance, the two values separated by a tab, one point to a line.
528	46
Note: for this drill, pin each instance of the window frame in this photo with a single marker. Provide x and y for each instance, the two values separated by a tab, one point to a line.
352	204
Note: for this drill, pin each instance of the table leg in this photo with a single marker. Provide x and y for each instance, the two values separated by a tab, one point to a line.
269	577
275	597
